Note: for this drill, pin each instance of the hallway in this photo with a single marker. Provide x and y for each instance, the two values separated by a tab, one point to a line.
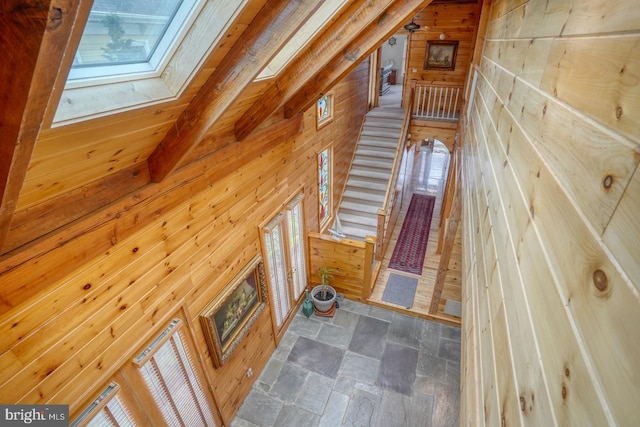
429	175
375	364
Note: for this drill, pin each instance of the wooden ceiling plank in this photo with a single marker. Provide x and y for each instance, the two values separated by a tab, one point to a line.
327	45
274	25
362	46
33	34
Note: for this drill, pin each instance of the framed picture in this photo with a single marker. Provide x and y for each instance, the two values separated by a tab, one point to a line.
324	187
441	55
226	320
324	110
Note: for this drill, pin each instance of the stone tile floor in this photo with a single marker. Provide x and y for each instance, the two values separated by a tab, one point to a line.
366	366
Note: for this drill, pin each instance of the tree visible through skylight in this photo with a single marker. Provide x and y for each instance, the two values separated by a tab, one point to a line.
128	32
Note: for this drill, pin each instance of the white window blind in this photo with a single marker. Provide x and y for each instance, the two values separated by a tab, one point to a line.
166	367
277	268
284	240
295	223
106	410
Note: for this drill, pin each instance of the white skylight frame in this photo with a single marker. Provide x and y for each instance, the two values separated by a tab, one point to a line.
173	36
303	36
113	95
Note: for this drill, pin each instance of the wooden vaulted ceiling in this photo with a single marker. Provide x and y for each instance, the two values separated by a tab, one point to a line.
223	105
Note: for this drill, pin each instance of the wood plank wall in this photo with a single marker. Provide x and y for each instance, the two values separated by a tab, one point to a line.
551	225
457	22
77	305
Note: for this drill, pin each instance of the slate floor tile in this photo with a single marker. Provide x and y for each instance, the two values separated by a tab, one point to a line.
421	412
289	383
260	409
450	350
394	411
302	326
354	307
293	416
344	384
314	395
446	406
369	337
380	313
432	366
336	409
335	336
345	319
450	332
398	368
360	368
405	330
270	373
362	410
239	422
316	356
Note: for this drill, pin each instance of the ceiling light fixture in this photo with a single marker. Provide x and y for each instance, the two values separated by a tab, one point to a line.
412	26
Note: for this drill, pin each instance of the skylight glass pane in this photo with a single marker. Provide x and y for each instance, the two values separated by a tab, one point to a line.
134	38
124	31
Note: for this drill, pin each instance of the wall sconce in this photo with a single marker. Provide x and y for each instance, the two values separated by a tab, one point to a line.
442	36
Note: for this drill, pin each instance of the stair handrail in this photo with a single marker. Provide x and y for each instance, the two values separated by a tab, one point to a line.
397	159
387	206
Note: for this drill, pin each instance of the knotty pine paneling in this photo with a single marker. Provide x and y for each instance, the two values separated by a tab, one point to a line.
551	158
81	301
457	22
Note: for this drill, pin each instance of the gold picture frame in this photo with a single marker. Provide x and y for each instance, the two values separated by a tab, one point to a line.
441	55
227	319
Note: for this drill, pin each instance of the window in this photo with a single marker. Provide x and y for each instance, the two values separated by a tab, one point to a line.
125	37
284	249
325	207
167	371
106	410
324	110
161	386
174	38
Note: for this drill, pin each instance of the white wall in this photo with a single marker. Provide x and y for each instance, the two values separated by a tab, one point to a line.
395	54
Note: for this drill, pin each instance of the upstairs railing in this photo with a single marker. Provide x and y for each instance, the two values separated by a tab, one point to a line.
436	102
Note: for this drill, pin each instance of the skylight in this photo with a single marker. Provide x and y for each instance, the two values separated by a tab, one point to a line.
183	34
124	37
325	12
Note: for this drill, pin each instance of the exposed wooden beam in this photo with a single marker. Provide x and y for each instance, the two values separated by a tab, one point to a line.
332	41
36	221
362	46
33	34
94	233
274	25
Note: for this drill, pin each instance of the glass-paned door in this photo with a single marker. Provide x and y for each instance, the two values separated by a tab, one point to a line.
284	247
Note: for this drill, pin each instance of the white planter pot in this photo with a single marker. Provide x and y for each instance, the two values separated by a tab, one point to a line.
320	305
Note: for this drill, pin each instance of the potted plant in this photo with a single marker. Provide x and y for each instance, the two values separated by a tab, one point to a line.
324	295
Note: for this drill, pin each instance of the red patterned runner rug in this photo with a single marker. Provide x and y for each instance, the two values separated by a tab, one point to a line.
408	254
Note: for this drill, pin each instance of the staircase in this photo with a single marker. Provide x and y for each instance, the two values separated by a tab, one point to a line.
370	172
